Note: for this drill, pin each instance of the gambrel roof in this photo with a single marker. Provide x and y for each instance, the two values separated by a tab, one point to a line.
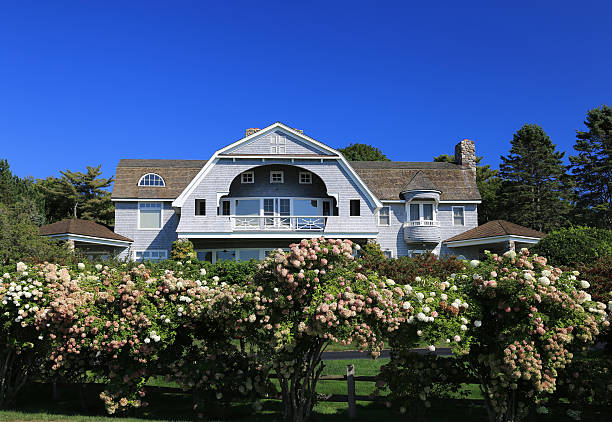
382	180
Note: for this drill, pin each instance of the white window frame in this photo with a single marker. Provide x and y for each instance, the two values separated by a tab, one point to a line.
390	251
276	173
421	213
309	178
462	213
142	179
164	251
161	218
414	252
262	252
388	216
278	145
244	178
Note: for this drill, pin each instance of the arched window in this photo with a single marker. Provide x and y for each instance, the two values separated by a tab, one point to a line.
151	179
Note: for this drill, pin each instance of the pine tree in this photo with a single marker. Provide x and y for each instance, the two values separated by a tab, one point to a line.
592	169
534	191
22	194
79	195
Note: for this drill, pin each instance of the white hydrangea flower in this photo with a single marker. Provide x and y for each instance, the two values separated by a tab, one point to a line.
544	281
406	305
390	282
474	263
463	327
418	279
21	267
584	284
202	271
216	279
510	254
99	267
81	266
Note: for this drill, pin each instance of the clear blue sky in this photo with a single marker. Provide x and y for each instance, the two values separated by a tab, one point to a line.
90	82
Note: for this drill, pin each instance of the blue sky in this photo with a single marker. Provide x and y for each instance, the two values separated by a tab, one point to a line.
90	82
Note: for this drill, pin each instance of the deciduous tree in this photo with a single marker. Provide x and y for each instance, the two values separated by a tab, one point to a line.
362	152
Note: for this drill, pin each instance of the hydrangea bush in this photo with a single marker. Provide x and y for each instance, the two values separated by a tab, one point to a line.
535	317
318	293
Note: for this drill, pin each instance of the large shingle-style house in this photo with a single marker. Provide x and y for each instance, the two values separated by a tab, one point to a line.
277	185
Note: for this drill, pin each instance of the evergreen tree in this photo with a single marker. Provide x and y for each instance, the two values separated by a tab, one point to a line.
534	189
79	195
362	152
16	192
592	169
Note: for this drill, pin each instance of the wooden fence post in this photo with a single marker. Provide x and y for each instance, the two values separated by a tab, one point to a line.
350	380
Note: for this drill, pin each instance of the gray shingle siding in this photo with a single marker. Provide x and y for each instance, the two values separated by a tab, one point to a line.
126	224
392	238
262	145
222	174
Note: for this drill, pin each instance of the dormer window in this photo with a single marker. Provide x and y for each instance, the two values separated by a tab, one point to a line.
151	179
247	177
278	145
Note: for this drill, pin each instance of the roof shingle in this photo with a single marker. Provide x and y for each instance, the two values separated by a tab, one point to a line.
496	228
82	227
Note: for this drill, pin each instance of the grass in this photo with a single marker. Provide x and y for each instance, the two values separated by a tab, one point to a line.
36	404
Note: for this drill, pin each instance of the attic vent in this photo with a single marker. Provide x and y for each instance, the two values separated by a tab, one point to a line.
251	131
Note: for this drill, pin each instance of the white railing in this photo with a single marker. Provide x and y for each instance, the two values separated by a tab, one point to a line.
315	223
421	223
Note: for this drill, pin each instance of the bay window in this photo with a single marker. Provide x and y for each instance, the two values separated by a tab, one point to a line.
421	212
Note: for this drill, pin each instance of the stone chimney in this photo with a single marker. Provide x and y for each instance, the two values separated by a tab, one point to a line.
465	154
251	131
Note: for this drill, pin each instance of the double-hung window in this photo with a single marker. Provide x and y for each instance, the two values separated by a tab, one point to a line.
149	215
355	207
383	216
200	207
458	216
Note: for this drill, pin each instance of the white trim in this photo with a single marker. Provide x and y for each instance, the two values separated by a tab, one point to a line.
161	217
492	239
163	185
469	201
277	157
388	216
276	173
247	173
178	202
392	201
140	200
90	239
305	173
269	235
214	251
462	214
421	205
391	255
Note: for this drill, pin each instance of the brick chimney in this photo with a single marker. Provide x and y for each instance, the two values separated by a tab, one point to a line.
251	131
465	154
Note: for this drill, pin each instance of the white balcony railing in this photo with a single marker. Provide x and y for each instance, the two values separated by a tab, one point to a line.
423	223
315	223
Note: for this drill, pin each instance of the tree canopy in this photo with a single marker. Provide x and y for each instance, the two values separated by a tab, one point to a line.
534	189
592	169
78	195
362	152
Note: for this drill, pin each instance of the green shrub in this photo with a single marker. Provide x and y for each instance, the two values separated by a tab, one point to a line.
575	245
182	249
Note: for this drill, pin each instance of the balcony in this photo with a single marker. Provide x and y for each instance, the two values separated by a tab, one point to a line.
278	223
422	231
